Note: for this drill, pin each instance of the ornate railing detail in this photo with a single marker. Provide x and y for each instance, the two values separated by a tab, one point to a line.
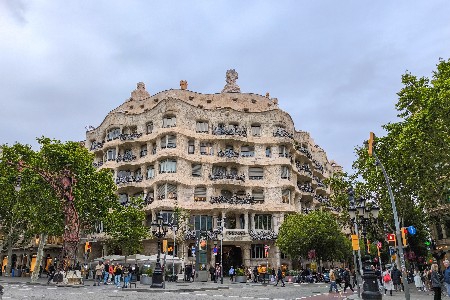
322	199
129	178
306	187
168	146
256	177
231	176
149	199
307	210
248	199
281	132
228	153
260	235
97	145
239	232
304	151
303	168
319	182
318	166
97	164
126	157
130	136
190	235
232	130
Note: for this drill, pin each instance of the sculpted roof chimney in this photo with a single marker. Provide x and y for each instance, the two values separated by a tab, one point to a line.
231	86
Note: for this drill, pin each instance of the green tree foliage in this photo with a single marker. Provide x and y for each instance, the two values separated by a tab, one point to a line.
317	231
126	227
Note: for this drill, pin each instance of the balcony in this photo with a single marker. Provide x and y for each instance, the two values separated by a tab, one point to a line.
228	153
96	145
281	132
231	130
306	187
129	136
260	235
303	168
318	166
229	176
168	146
256	177
149	199
128	179
247	199
304	151
97	164
127	157
235	232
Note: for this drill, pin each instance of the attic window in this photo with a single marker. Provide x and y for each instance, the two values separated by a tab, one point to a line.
208	101
246	109
200	106
156	99
191	97
253	100
131	106
234	99
142	105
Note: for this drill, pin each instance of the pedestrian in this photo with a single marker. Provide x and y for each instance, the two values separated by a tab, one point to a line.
231	273
98	273
125	274
51	273
333	281
117	275
396	276
212	272
447	276
106	272
111	273
272	275
255	274
387	281
346	278
280	277
436	282
418	281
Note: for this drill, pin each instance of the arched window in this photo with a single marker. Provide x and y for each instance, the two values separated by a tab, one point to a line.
168	141
169	121
167	191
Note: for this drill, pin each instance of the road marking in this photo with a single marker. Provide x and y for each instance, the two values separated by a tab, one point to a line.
168	292
250	298
263	298
217	295
201	294
233	296
184	293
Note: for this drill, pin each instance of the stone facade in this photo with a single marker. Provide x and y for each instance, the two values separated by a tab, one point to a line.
229	155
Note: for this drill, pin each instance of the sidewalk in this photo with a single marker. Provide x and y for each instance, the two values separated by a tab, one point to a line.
415	295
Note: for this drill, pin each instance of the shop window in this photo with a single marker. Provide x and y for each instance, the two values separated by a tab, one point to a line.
258	251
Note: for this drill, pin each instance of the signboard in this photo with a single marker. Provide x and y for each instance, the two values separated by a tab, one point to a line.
215	250
193	250
355	242
412	230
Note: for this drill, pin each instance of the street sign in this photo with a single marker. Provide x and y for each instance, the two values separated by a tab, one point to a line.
215	250
412	230
193	250
391	250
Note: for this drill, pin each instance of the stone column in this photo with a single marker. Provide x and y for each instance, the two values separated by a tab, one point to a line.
215	217
246	248
444	231
253	221
105	250
277	256
246	221
153	215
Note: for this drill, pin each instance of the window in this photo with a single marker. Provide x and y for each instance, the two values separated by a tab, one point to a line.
168	166
138	175
258	251
167	216
268	152
123	199
247	151
285	172
202	127
255	173
150	197
234	171
111	154
123	173
154	149
263	222
202	223
283	151
167	191
286	196
169	122
149	126
256	130
219	170
150	172
168	141
139	195
258	195
143	150
196	170
206	149
200	193
229	147
113	134
191	147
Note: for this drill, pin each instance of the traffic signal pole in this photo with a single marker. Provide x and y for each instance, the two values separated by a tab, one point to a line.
397	224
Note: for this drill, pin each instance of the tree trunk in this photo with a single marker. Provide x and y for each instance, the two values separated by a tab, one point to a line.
40	254
9	263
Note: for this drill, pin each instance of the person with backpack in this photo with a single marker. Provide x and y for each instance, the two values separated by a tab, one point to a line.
346	276
387	281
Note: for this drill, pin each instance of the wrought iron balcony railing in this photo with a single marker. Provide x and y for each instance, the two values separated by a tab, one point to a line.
130	136
228	153
96	145
259	235
304	151
128	179
97	164
247	199
281	132
126	157
232	130
305	188
219	176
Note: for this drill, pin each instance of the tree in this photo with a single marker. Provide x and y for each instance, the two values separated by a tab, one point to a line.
126	227
317	231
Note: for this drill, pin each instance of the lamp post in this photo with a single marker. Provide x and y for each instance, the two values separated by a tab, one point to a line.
159	230
174	227
219	230
361	212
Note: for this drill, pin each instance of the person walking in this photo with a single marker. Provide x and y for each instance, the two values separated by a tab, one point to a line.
231	273
106	272
346	275
436	282
280	277
396	278
447	276
117	275
333	281
51	273
387	281
418	281
98	273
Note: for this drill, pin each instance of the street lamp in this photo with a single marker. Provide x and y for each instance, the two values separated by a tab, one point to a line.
159	230
219	230
362	212
174	227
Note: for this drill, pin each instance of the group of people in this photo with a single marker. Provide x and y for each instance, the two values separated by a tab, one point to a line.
339	276
109	273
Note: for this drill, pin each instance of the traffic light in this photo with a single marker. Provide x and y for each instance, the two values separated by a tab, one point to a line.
351	196
391	239
404	233
371	138
164	249
87	247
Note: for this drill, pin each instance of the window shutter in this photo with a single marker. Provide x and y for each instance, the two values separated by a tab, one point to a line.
197	170
256	130
171	191
255	172
258	195
162	191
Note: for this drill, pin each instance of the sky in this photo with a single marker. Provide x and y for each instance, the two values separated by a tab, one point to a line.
335	66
